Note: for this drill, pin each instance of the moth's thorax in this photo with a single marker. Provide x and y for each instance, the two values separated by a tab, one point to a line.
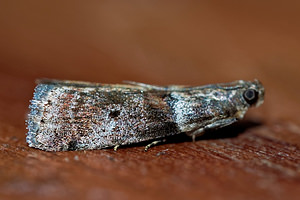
196	110
205	105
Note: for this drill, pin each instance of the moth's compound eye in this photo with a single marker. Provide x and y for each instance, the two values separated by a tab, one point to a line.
251	96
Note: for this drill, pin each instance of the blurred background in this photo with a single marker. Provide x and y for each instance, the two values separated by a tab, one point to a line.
155	42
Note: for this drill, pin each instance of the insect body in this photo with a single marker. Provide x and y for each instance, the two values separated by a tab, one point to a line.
68	115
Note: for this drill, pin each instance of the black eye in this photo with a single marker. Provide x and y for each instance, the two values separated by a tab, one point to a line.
250	96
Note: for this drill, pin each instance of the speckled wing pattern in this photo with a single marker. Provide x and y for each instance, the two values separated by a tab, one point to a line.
69	115
74	116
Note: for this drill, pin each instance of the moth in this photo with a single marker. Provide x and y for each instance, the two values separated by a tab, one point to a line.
72	115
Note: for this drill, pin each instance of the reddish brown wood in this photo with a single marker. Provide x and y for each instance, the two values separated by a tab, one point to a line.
158	43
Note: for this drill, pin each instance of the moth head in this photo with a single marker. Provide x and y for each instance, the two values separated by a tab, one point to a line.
253	93
245	94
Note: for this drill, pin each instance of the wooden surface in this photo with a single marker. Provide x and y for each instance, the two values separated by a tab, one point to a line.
157	43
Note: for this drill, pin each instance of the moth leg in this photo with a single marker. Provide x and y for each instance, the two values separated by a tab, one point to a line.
220	123
195	133
153	143
116	147
215	125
